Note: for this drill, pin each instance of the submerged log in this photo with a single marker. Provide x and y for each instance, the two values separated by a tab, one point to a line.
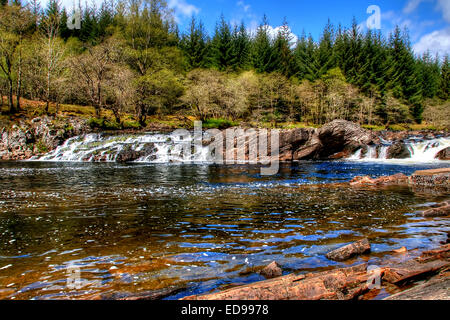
441	210
349	251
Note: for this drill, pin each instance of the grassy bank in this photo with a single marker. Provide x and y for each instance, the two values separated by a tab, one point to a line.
31	109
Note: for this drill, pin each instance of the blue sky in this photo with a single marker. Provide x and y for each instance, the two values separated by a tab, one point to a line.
428	21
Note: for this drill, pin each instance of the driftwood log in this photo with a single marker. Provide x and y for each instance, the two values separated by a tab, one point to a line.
340	284
349	251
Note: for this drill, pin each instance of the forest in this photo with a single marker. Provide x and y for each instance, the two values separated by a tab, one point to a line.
129	57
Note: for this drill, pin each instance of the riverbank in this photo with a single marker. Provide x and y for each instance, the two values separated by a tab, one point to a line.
336	140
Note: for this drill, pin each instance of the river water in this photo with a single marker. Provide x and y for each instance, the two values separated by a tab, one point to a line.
134	228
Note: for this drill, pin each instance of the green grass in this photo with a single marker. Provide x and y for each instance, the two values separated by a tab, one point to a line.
373	127
42	147
103	124
397	127
219	124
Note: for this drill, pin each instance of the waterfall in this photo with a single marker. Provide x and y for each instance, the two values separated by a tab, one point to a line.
420	150
149	148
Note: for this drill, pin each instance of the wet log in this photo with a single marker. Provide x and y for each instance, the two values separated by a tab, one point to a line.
429	263
340	284
146	295
349	251
435	289
441	211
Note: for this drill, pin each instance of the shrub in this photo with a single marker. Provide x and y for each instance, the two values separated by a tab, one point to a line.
397	127
219	124
103	124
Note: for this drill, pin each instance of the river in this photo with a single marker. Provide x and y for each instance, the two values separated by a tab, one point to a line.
140	227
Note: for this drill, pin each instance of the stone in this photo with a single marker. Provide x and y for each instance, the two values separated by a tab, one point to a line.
341	135
398	151
273	270
348	251
435	177
444	154
127	154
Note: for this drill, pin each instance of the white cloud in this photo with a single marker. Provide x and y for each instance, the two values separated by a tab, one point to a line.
412	6
273	33
444	6
437	41
183	8
245	7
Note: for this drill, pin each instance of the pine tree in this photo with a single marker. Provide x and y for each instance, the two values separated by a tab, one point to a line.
353	54
240	48
262	48
105	20
429	72
282	56
304	54
444	84
222	46
325	59
195	45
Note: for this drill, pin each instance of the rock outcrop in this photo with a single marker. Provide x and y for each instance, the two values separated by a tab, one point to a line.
127	154
436	177
343	137
398	151
39	136
444	154
428	178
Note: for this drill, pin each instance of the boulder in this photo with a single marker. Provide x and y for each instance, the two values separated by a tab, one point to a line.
398	151
273	270
128	154
349	251
342	135
435	177
444	154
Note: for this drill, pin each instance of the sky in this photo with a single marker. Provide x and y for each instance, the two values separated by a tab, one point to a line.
428	21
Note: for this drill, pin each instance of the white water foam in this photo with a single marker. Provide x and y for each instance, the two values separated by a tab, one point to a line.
421	151
166	148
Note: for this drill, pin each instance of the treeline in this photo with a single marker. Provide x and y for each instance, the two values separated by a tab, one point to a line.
129	56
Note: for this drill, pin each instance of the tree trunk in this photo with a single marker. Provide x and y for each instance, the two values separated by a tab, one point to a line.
12	109
19	83
97	112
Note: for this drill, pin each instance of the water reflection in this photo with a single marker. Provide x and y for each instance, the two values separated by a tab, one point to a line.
144	227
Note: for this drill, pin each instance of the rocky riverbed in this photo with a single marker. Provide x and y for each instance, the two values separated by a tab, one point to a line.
414	277
336	140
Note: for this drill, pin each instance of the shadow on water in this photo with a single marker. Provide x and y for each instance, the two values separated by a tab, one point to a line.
133	228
